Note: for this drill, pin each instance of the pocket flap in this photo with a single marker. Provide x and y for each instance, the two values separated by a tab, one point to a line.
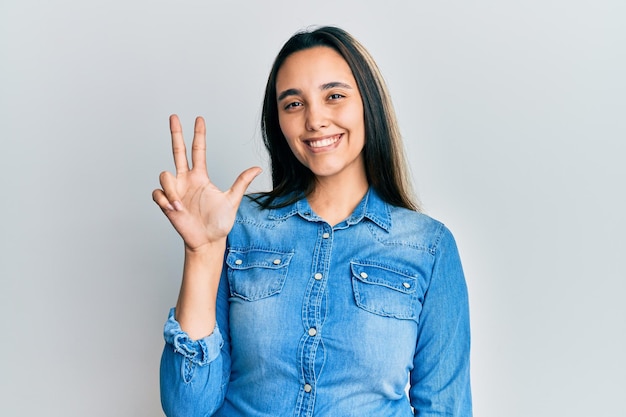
257	258
380	275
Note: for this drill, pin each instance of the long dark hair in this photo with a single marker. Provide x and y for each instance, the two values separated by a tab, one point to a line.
385	164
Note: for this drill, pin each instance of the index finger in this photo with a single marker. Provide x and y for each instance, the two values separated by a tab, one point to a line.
198	146
178	145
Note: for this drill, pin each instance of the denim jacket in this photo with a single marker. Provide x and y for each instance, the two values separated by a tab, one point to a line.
316	320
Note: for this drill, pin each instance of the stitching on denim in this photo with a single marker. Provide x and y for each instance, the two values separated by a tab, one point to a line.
261	225
384	222
285	257
438	237
188	370
386	242
274	214
256	247
385	266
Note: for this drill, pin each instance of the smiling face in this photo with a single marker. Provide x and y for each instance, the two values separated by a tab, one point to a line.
320	112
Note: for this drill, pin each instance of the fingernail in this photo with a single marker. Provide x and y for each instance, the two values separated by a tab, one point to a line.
177	206
169	206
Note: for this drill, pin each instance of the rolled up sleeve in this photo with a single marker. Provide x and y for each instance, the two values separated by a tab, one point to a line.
191	374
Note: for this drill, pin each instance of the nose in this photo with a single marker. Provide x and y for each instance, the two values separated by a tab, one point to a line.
316	117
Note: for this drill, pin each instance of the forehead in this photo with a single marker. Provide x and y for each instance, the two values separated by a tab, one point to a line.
313	66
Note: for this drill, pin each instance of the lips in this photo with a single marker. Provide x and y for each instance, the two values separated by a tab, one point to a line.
323	142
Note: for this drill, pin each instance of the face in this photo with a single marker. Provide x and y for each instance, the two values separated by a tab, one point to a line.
321	113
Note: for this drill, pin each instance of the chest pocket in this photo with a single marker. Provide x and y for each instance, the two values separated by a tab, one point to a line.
385	292
255	274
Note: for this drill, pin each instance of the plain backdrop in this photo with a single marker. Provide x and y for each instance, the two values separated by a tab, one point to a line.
514	118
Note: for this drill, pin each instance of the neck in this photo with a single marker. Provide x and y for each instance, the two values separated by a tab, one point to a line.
334	201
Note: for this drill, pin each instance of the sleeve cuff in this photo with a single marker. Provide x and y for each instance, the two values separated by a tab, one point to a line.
200	352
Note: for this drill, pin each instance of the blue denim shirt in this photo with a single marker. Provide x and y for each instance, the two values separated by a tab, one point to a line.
316	320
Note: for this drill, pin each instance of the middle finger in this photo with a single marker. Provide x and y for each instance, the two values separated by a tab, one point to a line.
198	146
178	145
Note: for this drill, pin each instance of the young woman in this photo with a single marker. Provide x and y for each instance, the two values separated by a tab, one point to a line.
329	294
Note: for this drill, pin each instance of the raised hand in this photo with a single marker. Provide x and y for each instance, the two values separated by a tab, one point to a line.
200	212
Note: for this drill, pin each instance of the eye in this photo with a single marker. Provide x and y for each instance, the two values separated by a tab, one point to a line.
336	96
292	105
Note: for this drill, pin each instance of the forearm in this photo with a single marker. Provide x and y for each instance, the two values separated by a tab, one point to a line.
195	309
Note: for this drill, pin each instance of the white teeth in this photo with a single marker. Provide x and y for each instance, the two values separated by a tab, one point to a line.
323	142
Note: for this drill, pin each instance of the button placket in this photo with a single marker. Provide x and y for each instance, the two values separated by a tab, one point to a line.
313	316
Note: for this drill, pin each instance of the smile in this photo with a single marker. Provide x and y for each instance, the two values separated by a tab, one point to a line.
323	142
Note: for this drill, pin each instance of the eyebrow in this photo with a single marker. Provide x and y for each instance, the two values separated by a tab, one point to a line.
327	86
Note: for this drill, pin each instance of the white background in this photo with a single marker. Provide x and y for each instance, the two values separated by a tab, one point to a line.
514	118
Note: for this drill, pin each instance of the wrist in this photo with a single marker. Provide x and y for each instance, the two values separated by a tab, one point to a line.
206	248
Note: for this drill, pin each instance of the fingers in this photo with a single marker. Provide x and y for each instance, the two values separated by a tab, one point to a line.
167	198
178	145
198	146
243	181
159	197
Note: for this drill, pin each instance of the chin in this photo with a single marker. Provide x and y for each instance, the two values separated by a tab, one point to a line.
324	172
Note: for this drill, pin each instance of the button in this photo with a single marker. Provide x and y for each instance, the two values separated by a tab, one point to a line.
308	388
238	262
276	261
363	275
312	331
326	235
318	276
406	285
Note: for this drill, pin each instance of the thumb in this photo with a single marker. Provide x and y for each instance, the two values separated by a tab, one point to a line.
242	182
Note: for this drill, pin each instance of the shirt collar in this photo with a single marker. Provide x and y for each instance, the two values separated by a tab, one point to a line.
371	207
